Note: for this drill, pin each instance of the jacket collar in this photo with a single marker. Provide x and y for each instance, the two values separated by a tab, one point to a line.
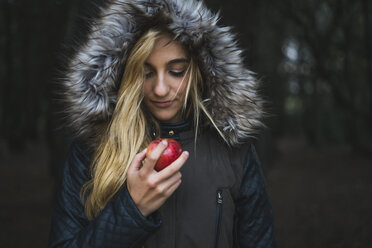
173	130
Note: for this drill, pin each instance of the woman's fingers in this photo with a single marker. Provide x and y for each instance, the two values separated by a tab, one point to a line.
150	189
163	187
174	167
153	157
137	161
167	173
170	190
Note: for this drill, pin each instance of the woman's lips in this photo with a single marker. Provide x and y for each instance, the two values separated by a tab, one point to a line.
162	104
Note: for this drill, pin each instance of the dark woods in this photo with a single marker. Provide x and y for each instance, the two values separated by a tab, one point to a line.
314	58
30	35
33	39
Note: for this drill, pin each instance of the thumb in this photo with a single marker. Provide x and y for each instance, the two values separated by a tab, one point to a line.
137	161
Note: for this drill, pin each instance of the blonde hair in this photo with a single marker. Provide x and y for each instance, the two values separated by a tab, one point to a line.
128	130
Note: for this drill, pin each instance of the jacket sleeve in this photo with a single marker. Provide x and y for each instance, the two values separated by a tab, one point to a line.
120	224
254	218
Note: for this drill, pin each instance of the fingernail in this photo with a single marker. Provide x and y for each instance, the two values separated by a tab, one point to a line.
165	142
186	153
144	150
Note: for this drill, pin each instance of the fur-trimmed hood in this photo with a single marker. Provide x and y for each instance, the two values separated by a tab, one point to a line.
92	75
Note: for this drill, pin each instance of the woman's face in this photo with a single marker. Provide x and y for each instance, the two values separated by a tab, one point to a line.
166	80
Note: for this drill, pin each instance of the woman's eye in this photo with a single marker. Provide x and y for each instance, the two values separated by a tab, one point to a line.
149	74
177	73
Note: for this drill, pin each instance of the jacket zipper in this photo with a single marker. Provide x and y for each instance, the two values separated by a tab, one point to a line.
219	201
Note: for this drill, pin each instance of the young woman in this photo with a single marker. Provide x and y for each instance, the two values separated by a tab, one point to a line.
161	68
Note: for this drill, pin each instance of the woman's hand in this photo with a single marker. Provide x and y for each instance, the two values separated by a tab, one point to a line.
150	189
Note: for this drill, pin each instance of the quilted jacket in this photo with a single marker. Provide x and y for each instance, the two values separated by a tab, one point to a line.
222	202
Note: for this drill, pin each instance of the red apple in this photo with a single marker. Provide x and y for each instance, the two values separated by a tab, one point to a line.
170	154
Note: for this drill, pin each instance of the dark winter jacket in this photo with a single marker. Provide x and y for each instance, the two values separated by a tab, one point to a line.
222	200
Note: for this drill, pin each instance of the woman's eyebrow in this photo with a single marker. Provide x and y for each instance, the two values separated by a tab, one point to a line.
176	61
171	62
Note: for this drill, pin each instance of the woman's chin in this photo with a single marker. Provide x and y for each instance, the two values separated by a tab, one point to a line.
168	118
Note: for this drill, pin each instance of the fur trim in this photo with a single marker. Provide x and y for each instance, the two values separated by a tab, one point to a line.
94	72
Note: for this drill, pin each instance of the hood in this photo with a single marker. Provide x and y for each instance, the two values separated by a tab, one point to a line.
92	74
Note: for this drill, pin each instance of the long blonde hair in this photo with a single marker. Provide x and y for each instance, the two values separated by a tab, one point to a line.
128	131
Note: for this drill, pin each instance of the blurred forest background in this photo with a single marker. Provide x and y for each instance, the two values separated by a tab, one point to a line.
314	58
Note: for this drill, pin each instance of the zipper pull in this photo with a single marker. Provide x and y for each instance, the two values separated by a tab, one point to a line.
219	197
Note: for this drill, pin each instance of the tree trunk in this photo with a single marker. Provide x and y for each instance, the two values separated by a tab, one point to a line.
8	80
353	114
16	106
31	97
367	41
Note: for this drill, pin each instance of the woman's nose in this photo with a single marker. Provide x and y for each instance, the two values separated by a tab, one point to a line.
161	88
